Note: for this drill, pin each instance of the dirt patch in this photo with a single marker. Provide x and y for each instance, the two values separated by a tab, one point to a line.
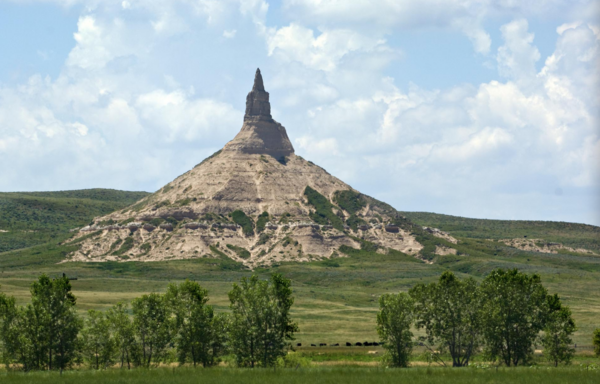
542	246
443	251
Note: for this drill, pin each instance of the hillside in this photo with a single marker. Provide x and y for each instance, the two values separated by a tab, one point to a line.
32	218
570	234
254	201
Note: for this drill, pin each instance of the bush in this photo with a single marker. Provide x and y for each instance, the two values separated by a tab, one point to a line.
323	209
240	218
349	201
596	342
293	360
241	252
125	246
263	219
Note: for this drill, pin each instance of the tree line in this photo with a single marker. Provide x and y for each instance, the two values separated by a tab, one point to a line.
48	333
504	317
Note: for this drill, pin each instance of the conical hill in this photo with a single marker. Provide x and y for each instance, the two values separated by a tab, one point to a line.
254	201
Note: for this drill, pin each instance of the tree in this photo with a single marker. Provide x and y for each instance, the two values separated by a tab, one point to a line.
260	320
449	310
395	317
514	312
43	334
9	335
98	345
200	334
557	333
124	334
596	342
152	326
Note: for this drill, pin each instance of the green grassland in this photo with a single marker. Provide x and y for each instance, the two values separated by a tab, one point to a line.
349	375
32	218
336	299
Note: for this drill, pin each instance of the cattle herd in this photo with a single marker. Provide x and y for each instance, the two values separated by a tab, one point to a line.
359	344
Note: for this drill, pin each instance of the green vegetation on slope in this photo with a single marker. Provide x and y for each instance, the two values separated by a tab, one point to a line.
349	201
323	213
570	234
262	220
240	218
33	218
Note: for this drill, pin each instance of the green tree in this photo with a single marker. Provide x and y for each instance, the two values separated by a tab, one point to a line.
9	334
449	310
596	342
121	327
152	326
198	339
557	333
513	314
97	342
395	317
260	320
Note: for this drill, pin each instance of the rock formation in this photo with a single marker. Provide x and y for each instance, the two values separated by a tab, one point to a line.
254	201
260	134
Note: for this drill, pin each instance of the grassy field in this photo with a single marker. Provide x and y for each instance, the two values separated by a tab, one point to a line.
348	375
31	218
336	300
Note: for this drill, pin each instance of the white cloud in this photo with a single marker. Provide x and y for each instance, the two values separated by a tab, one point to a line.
297	43
517	57
150	88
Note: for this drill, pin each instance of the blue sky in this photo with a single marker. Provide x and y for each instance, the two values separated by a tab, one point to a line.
476	108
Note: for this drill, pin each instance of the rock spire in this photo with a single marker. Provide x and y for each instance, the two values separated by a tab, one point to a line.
260	134
257	101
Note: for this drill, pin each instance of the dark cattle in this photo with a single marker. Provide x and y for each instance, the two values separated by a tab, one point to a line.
335	345
348	344
358	344
375	344
313	345
299	345
322	345
367	344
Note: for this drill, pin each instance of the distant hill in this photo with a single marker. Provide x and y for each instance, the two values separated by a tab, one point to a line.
570	234
32	218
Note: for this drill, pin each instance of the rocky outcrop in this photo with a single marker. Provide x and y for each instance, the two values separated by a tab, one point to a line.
215	208
260	134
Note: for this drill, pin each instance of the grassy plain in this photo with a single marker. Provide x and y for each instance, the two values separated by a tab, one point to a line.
348	375
336	300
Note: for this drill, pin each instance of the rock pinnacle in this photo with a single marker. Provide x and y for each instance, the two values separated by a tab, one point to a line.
257	101
260	134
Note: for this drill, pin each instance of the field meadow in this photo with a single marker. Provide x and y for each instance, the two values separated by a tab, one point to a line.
336	300
336	374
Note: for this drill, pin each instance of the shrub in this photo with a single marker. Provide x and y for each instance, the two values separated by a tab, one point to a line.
263	219
293	360
596	342
323	209
125	246
240	218
241	252
354	221
349	201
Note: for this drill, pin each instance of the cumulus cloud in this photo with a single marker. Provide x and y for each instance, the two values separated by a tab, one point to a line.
297	43
527	135
152	87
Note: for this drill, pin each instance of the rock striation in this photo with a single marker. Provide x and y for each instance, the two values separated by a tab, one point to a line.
260	134
254	201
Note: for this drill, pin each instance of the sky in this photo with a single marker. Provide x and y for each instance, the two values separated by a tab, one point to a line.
476	108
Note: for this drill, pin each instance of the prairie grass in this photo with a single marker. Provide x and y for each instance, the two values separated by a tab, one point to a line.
313	375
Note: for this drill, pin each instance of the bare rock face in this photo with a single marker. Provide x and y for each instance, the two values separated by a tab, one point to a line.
260	134
257	177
